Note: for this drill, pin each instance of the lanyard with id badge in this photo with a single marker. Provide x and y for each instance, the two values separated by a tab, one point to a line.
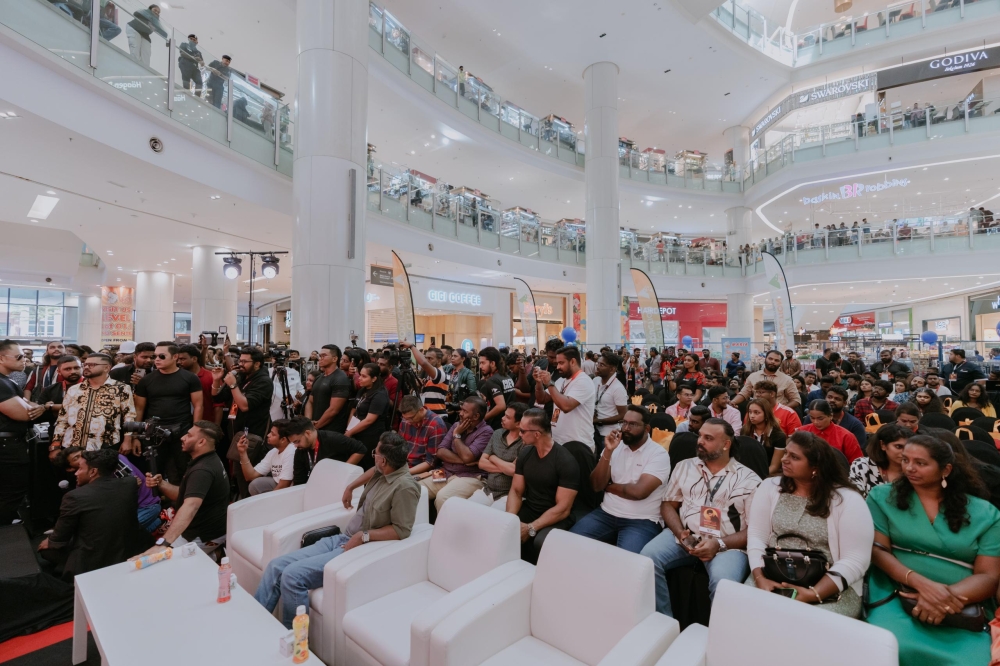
565	387
710	523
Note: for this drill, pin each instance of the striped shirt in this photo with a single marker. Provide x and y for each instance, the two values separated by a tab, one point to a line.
691	484
434	392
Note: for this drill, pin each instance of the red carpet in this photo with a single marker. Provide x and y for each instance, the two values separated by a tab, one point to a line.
51	647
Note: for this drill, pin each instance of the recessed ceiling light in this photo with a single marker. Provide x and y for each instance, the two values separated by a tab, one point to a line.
42	207
215	196
50	192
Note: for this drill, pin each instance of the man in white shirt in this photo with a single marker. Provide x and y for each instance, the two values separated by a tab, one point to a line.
573	396
705	507
631	473
295	390
589	366
681	409
610	398
719	407
274	472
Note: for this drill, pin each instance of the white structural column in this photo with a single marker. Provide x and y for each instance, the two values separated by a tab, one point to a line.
738	138
601	177
739	224
739	316
154	306
328	279
213	296
88	331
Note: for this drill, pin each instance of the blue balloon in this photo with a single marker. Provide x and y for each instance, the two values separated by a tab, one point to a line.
930	337
687	341
568	334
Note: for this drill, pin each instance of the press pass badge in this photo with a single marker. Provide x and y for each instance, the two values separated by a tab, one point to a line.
711	522
232	411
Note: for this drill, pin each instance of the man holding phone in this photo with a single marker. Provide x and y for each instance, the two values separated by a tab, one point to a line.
142	362
705	508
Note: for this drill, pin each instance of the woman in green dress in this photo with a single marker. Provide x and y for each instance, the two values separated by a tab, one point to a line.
934	508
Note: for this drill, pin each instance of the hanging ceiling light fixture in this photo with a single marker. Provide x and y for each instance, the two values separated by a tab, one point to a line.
232	267
842	5
269	267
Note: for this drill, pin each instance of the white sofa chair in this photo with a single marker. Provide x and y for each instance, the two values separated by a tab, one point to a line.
585	603
385	606
750	627
263	527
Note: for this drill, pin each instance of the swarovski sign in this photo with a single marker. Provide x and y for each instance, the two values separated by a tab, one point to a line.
827	92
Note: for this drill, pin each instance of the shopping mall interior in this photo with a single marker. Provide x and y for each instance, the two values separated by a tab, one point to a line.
265	170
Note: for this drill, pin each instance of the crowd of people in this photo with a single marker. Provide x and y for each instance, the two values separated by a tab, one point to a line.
708	469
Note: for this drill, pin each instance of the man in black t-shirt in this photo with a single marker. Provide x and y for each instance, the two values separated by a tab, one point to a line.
202	498
546	481
313	445
330	392
15	415
175	396
497	389
142	363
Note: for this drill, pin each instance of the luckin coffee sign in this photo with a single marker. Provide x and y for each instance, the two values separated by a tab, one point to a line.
856	190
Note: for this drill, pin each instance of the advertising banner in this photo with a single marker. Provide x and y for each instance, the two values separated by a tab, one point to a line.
826	92
525	301
649	309
580	316
854	321
741	345
403	300
781	302
941	66
117	304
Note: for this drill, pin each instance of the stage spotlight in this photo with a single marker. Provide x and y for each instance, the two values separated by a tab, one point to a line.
232	267
269	267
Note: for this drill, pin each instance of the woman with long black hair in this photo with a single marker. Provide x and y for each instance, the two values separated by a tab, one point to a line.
368	417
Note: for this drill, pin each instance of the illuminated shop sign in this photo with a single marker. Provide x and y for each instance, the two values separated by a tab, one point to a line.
817	95
766	120
855	190
949	65
454	297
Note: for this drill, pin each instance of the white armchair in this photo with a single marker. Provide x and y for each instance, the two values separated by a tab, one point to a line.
263	527
585	603
755	628
387	605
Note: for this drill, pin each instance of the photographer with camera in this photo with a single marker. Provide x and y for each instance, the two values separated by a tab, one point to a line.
94	411
288	388
331	391
202	498
434	388
172	395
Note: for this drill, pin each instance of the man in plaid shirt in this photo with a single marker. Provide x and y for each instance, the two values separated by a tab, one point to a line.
423	430
878	401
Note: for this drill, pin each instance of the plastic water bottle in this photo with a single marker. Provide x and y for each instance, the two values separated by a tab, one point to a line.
150	560
225	570
300	625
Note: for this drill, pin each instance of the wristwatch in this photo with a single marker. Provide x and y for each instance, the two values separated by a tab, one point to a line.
365	537
722	546
163	542
531	530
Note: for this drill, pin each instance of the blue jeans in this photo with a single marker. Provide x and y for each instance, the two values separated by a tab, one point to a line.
628	533
291	576
667	554
149	517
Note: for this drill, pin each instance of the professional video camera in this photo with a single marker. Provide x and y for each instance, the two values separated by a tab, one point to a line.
279	355
150	432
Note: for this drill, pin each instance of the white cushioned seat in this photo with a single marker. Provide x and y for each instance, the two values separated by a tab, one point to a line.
750	627
388	605
585	603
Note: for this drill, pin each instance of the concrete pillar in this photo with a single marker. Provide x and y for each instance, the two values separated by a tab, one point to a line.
328	270
739	225
738	138
739	316
213	296
601	178
154	306
88	327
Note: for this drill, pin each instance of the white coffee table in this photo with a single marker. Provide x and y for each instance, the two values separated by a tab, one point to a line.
168	614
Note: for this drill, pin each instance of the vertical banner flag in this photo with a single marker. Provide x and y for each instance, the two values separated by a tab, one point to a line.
649	309
526	308
781	302
403	299
116	314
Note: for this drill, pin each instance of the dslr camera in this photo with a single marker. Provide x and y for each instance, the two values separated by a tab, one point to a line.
146	430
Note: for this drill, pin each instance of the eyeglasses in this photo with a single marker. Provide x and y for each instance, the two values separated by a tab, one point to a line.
633	424
19	357
524	430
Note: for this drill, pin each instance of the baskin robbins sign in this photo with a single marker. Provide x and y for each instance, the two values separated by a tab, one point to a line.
856	190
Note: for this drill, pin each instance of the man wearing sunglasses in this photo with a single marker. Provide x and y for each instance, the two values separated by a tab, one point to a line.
94	410
175	396
16	414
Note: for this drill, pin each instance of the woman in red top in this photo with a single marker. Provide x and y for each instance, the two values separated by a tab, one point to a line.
689	375
822	425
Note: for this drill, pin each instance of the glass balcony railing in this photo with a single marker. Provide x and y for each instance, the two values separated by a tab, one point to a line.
130	49
898	19
650	166
932	121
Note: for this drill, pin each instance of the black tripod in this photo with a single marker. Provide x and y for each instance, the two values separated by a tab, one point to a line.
281	372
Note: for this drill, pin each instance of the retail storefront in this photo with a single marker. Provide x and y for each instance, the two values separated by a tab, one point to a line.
550	312
704	322
445	313
984	311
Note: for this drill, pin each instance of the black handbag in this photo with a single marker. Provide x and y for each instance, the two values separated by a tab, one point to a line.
312	536
795	566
